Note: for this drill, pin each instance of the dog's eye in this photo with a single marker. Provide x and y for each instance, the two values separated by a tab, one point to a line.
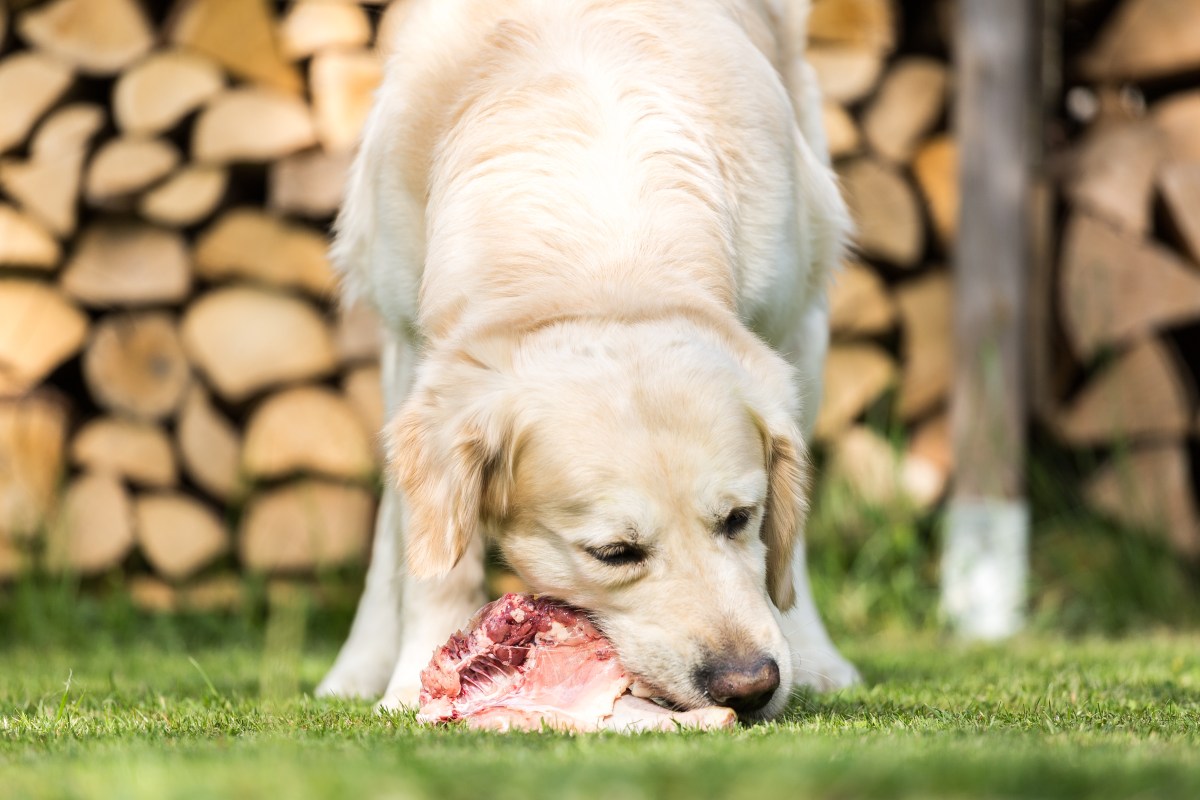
736	521
620	554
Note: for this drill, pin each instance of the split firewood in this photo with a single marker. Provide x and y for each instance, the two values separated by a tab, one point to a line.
246	339
127	165
1179	183
14	559
30	83
309	184
1178	117
1140	395
1150	488
314	25
306	525
248	243
24	242
187	197
364	391
99	37
209	446
855	376
846	74
308	429
159	91
251	124
908	104
343	87
1115	287
929	460
47	183
926	307
859	304
1146	39
3	21
219	593
178	534
93	531
890	225
936	169
841	132
864	23
135	365
1113	173
32	432
136	451
359	333
867	464
119	263
39	329
238	34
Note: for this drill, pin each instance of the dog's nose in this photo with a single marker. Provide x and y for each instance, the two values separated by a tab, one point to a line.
743	686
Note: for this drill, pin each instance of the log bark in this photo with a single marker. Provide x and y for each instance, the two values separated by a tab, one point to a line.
307	430
178	534
245	340
98	37
309	184
859	303
158	92
128	264
909	103
240	35
94	529
32	433
1146	39
189	196
39	329
24	242
1113	173
30	83
139	452
248	243
311	26
926	306
1179	183
890	225
251	124
343	87
126	166
209	446
1150	488
936	169
1140	395
855	376
47	183
845	74
135	365
306	525
1115	287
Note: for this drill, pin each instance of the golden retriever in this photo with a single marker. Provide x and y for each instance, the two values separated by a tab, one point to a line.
599	233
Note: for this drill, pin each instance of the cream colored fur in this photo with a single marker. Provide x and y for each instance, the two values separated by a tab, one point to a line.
599	233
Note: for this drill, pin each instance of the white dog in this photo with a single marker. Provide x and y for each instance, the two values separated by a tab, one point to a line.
599	233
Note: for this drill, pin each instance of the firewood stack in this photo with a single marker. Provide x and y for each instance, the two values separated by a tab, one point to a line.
1126	287
179	393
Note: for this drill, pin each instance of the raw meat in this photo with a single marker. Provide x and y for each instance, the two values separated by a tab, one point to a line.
527	662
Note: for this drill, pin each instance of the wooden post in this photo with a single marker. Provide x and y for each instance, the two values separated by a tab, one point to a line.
985	561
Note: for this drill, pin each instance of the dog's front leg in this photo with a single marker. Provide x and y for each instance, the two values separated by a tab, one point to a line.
431	610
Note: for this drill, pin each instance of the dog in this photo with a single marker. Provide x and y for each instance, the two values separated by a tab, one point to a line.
599	234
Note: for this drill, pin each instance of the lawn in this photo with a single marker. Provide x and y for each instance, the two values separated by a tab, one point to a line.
194	707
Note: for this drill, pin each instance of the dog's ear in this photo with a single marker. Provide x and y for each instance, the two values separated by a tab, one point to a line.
787	506
451	451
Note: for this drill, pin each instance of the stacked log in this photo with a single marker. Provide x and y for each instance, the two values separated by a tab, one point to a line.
180	396
1127	280
885	110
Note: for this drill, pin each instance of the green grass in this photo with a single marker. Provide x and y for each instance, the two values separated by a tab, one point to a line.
96	701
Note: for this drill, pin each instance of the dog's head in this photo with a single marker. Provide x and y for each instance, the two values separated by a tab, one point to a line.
651	474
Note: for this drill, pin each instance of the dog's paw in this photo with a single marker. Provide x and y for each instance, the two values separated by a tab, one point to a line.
399	698
826	672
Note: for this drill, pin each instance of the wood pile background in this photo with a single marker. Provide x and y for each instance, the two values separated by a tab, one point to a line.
181	398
